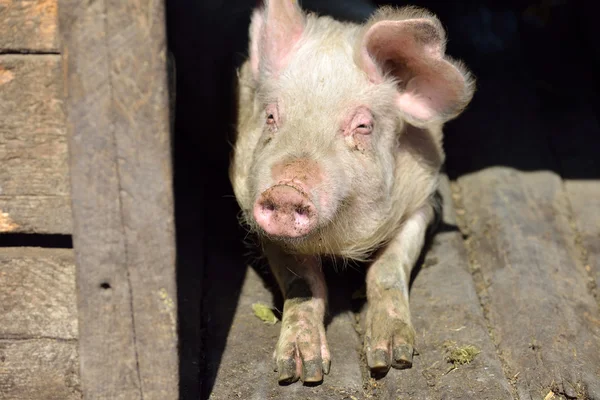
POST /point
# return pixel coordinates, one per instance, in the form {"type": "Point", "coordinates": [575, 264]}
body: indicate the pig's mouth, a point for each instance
{"type": "Point", "coordinates": [285, 211]}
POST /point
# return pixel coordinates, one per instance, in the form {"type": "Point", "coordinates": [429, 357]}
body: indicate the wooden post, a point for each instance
{"type": "Point", "coordinates": [114, 60]}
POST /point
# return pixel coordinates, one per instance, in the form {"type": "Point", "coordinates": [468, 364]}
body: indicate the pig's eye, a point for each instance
{"type": "Point", "coordinates": [360, 123]}
{"type": "Point", "coordinates": [364, 129]}
{"type": "Point", "coordinates": [271, 117]}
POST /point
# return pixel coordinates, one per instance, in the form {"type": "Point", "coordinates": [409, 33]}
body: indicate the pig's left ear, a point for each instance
{"type": "Point", "coordinates": [274, 31]}
{"type": "Point", "coordinates": [409, 46]}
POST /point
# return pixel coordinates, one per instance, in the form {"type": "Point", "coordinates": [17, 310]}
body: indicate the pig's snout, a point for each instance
{"type": "Point", "coordinates": [284, 211]}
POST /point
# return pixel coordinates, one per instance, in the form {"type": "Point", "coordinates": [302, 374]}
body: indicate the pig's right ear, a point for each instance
{"type": "Point", "coordinates": [274, 30]}
{"type": "Point", "coordinates": [408, 45]}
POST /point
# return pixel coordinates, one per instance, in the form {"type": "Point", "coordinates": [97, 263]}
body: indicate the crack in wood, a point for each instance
{"type": "Point", "coordinates": [28, 52]}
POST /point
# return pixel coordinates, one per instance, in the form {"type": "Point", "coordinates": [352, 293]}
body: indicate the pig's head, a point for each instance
{"type": "Point", "coordinates": [331, 100]}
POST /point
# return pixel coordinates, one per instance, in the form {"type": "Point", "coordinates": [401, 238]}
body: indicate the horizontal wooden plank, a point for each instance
{"type": "Point", "coordinates": [241, 351]}
{"type": "Point", "coordinates": [27, 26]}
{"type": "Point", "coordinates": [35, 214]}
{"type": "Point", "coordinates": [39, 369]}
{"type": "Point", "coordinates": [534, 287]}
{"type": "Point", "coordinates": [37, 298]}
{"type": "Point", "coordinates": [33, 146]}
{"type": "Point", "coordinates": [445, 308]}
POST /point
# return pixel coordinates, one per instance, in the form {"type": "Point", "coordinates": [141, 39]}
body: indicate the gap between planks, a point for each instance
{"type": "Point", "coordinates": [27, 52]}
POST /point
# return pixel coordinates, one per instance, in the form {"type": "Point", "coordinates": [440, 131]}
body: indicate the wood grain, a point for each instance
{"type": "Point", "coordinates": [533, 285]}
{"type": "Point", "coordinates": [35, 214]}
{"type": "Point", "coordinates": [39, 369]}
{"type": "Point", "coordinates": [34, 178]}
{"type": "Point", "coordinates": [117, 105]}
{"type": "Point", "coordinates": [37, 298]}
{"type": "Point", "coordinates": [28, 26]}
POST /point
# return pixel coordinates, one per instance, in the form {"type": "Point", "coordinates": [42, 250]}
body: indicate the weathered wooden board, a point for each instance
{"type": "Point", "coordinates": [245, 368]}
{"type": "Point", "coordinates": [533, 285]}
{"type": "Point", "coordinates": [37, 296]}
{"type": "Point", "coordinates": [575, 137]}
{"type": "Point", "coordinates": [35, 214]}
{"type": "Point", "coordinates": [34, 178]}
{"type": "Point", "coordinates": [445, 308]}
{"type": "Point", "coordinates": [28, 26]}
{"type": "Point", "coordinates": [117, 104]}
{"type": "Point", "coordinates": [39, 369]}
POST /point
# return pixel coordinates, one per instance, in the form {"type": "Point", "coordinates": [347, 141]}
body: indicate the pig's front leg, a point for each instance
{"type": "Point", "coordinates": [389, 334]}
{"type": "Point", "coordinates": [301, 351]}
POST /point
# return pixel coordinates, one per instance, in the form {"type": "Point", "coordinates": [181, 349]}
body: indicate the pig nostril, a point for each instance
{"type": "Point", "coordinates": [268, 206]}
{"type": "Point", "coordinates": [302, 210]}
{"type": "Point", "coordinates": [284, 211]}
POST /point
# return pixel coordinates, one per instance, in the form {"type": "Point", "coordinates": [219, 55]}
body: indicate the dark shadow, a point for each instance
{"type": "Point", "coordinates": [206, 39]}
{"type": "Point", "coordinates": [54, 241]}
{"type": "Point", "coordinates": [535, 109]}
{"type": "Point", "coordinates": [529, 112]}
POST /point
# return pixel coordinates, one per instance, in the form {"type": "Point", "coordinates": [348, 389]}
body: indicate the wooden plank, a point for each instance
{"type": "Point", "coordinates": [575, 135]}
{"type": "Point", "coordinates": [34, 178]}
{"type": "Point", "coordinates": [117, 105]}
{"type": "Point", "coordinates": [35, 214]}
{"type": "Point", "coordinates": [445, 308]}
{"type": "Point", "coordinates": [544, 319]}
{"type": "Point", "coordinates": [248, 350]}
{"type": "Point", "coordinates": [39, 369]}
{"type": "Point", "coordinates": [38, 293]}
{"type": "Point", "coordinates": [28, 26]}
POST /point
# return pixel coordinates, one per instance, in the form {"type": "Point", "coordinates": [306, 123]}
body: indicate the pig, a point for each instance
{"type": "Point", "coordinates": [338, 152]}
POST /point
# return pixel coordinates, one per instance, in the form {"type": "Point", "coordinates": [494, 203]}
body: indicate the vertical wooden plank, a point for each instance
{"type": "Point", "coordinates": [138, 53]}
{"type": "Point", "coordinates": [545, 321]}
{"type": "Point", "coordinates": [117, 107]}
{"type": "Point", "coordinates": [575, 135]}
{"type": "Point", "coordinates": [104, 295]}
{"type": "Point", "coordinates": [445, 309]}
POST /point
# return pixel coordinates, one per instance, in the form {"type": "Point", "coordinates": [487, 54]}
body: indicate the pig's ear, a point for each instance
{"type": "Point", "coordinates": [408, 45]}
{"type": "Point", "coordinates": [274, 30]}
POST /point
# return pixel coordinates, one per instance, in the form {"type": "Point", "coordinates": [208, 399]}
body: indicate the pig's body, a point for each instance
{"type": "Point", "coordinates": [338, 151]}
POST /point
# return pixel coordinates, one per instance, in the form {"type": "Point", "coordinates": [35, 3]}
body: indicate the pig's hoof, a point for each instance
{"type": "Point", "coordinates": [388, 342]}
{"type": "Point", "coordinates": [302, 353]}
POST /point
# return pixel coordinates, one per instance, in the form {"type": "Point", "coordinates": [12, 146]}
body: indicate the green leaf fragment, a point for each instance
{"type": "Point", "coordinates": [459, 355]}
{"type": "Point", "coordinates": [265, 313]}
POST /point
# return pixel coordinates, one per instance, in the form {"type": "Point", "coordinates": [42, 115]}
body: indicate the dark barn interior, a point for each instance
{"type": "Point", "coordinates": [536, 109]}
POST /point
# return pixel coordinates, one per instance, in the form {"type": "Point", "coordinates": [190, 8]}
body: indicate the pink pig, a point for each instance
{"type": "Point", "coordinates": [338, 152]}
